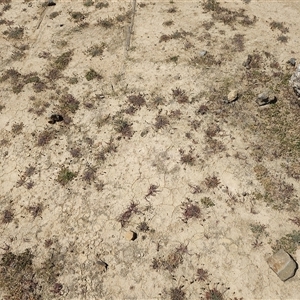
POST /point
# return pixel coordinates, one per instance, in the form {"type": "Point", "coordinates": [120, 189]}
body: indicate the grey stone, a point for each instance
{"type": "Point", "coordinates": [292, 61]}
{"type": "Point", "coordinates": [265, 98]}
{"type": "Point", "coordinates": [202, 52]}
{"type": "Point", "coordinates": [282, 264]}
{"type": "Point", "coordinates": [232, 96]}
{"type": "Point", "coordinates": [295, 81]}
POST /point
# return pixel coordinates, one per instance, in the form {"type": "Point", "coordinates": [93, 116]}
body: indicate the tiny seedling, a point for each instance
{"type": "Point", "coordinates": [62, 61]}
{"type": "Point", "coordinates": [153, 189]}
{"type": "Point", "coordinates": [168, 23]}
{"type": "Point", "coordinates": [89, 175]}
{"type": "Point", "coordinates": [207, 202]}
{"type": "Point", "coordinates": [180, 95]}
{"type": "Point", "coordinates": [77, 16]}
{"type": "Point", "coordinates": [65, 176]}
{"type": "Point", "coordinates": [106, 23]}
{"type": "Point", "coordinates": [143, 226]}
{"type": "Point", "coordinates": [17, 128]}
{"type": "Point", "coordinates": [69, 103]}
{"type": "Point", "coordinates": [96, 50]}
{"type": "Point", "coordinates": [75, 152]}
{"type": "Point", "coordinates": [101, 5]}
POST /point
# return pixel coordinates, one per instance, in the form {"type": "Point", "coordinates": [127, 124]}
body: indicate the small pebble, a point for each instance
{"type": "Point", "coordinates": [292, 61]}
{"type": "Point", "coordinates": [130, 235]}
{"type": "Point", "coordinates": [202, 53]}
{"type": "Point", "coordinates": [232, 96]}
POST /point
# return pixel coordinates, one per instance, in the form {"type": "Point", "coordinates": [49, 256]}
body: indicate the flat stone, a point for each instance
{"type": "Point", "coordinates": [282, 264]}
{"type": "Point", "coordinates": [232, 96]}
{"type": "Point", "coordinates": [130, 235]}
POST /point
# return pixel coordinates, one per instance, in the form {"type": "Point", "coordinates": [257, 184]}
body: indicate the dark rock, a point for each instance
{"type": "Point", "coordinates": [55, 118]}
{"type": "Point", "coordinates": [51, 3]}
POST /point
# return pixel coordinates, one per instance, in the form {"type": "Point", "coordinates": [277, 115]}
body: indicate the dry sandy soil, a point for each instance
{"type": "Point", "coordinates": [142, 139]}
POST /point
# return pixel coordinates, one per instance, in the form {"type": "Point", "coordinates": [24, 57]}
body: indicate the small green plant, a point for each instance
{"type": "Point", "coordinates": [258, 229]}
{"type": "Point", "coordinates": [207, 202]}
{"type": "Point", "coordinates": [168, 23]}
{"type": "Point", "coordinates": [123, 127]}
{"type": "Point", "coordinates": [54, 14]}
{"type": "Point", "coordinates": [137, 100]}
{"type": "Point", "coordinates": [161, 122]}
{"type": "Point", "coordinates": [106, 23]}
{"type": "Point", "coordinates": [15, 33]}
{"type": "Point", "coordinates": [177, 293]}
{"type": "Point", "coordinates": [65, 176]}
{"type": "Point", "coordinates": [17, 128]}
{"type": "Point", "coordinates": [92, 74]}
{"type": "Point", "coordinates": [77, 16]}
{"type": "Point", "coordinates": [290, 242]}
{"type": "Point", "coordinates": [88, 3]}
{"type": "Point", "coordinates": [101, 5]}
{"type": "Point", "coordinates": [7, 216]}
{"type": "Point", "coordinates": [279, 26]}
{"type": "Point", "coordinates": [187, 158]}
{"type": "Point", "coordinates": [62, 61]}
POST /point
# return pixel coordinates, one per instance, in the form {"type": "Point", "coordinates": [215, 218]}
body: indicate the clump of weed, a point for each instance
{"type": "Point", "coordinates": [278, 194]}
{"type": "Point", "coordinates": [62, 61]}
{"type": "Point", "coordinates": [127, 214]}
{"type": "Point", "coordinates": [123, 127]}
{"type": "Point", "coordinates": [75, 152]}
{"type": "Point", "coordinates": [96, 50]}
{"type": "Point", "coordinates": [207, 60]}
{"type": "Point", "coordinates": [77, 16]}
{"type": "Point", "coordinates": [172, 10]}
{"type": "Point", "coordinates": [7, 216]}
{"type": "Point", "coordinates": [168, 23]}
{"type": "Point", "coordinates": [282, 38]}
{"type": "Point", "coordinates": [45, 137]}
{"type": "Point", "coordinates": [17, 128]}
{"type": "Point", "coordinates": [89, 175]}
{"type": "Point", "coordinates": [88, 3]}
{"type": "Point", "coordinates": [296, 221]}
{"type": "Point", "coordinates": [187, 158]}
{"type": "Point", "coordinates": [69, 103]}
{"type": "Point", "coordinates": [257, 229]}
{"type": "Point", "coordinates": [15, 33]}
{"type": "Point", "coordinates": [289, 242]}
{"type": "Point", "coordinates": [161, 122]}
{"type": "Point", "coordinates": [109, 148]}
{"type": "Point", "coordinates": [137, 100]}
{"type": "Point", "coordinates": [36, 210]}
{"type": "Point", "coordinates": [65, 176]}
{"type": "Point", "coordinates": [143, 226]}
{"type": "Point", "coordinates": [202, 110]}
{"type": "Point", "coordinates": [279, 26]}
{"type": "Point", "coordinates": [212, 130]}
{"type": "Point", "coordinates": [207, 202]}
{"type": "Point", "coordinates": [212, 182]}
{"type": "Point", "coordinates": [92, 74]}
{"type": "Point", "coordinates": [238, 42]}
{"type": "Point", "coordinates": [54, 14]}
{"type": "Point", "coordinates": [153, 189]}
{"type": "Point", "coordinates": [180, 95]}
{"type": "Point", "coordinates": [201, 275]}
{"type": "Point", "coordinates": [106, 23]}
{"type": "Point", "coordinates": [17, 276]}
{"type": "Point", "coordinates": [177, 293]}
{"type": "Point", "coordinates": [101, 5]}
{"type": "Point", "coordinates": [190, 210]}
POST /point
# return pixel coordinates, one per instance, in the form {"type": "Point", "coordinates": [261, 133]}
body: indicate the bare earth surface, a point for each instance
{"type": "Point", "coordinates": [145, 140]}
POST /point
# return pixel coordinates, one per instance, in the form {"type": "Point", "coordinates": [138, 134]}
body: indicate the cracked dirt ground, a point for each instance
{"type": "Point", "coordinates": [147, 144]}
